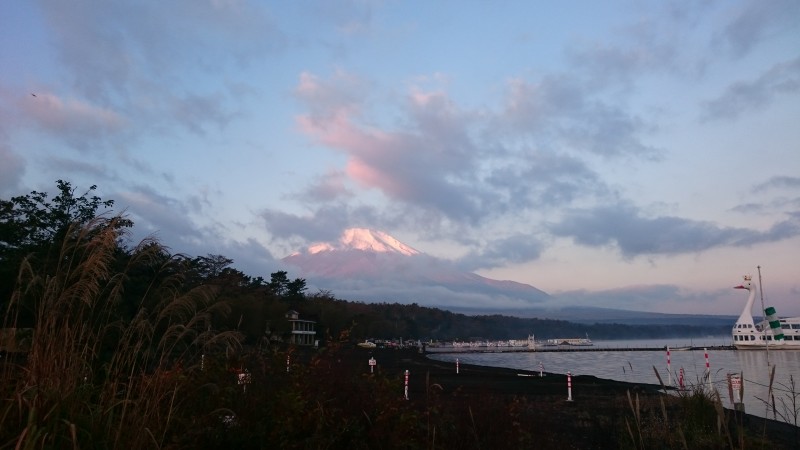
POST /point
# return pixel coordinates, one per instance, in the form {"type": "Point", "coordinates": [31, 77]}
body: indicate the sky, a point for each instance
{"type": "Point", "coordinates": [627, 154]}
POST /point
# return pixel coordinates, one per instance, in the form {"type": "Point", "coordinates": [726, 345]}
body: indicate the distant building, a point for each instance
{"type": "Point", "coordinates": [303, 332]}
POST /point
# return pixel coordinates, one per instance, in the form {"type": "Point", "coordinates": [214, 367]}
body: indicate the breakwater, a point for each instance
{"type": "Point", "coordinates": [565, 348]}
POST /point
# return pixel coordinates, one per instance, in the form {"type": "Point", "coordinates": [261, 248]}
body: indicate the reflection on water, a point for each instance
{"type": "Point", "coordinates": [640, 366]}
{"type": "Point", "coordinates": [756, 366]}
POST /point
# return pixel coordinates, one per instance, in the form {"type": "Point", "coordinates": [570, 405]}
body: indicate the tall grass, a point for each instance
{"type": "Point", "coordinates": [94, 377]}
{"type": "Point", "coordinates": [694, 418]}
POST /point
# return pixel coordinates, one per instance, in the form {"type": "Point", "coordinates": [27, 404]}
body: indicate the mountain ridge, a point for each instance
{"type": "Point", "coordinates": [371, 266]}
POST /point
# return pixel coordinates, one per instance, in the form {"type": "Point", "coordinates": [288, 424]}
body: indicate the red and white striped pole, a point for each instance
{"type": "Point", "coordinates": [456, 365]}
{"type": "Point", "coordinates": [406, 387]}
{"type": "Point", "coordinates": [669, 370]}
{"type": "Point", "coordinates": [680, 379]}
{"type": "Point", "coordinates": [569, 386]}
{"type": "Point", "coordinates": [708, 368]}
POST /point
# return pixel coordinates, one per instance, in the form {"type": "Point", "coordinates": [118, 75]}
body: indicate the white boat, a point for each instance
{"type": "Point", "coordinates": [578, 342]}
{"type": "Point", "coordinates": [367, 344]}
{"type": "Point", "coordinates": [772, 332]}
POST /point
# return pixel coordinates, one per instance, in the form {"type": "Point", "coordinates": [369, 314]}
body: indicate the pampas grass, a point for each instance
{"type": "Point", "coordinates": [93, 377]}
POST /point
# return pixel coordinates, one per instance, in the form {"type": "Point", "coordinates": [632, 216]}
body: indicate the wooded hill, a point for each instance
{"type": "Point", "coordinates": [393, 320]}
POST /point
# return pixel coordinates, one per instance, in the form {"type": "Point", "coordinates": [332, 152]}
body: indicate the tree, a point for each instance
{"type": "Point", "coordinates": [210, 266]}
{"type": "Point", "coordinates": [31, 222]}
{"type": "Point", "coordinates": [281, 286]}
{"type": "Point", "coordinates": [278, 282]}
{"type": "Point", "coordinates": [33, 225]}
{"type": "Point", "coordinates": [295, 289]}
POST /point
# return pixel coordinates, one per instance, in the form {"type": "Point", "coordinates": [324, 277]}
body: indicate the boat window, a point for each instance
{"type": "Point", "coordinates": [796, 326]}
{"type": "Point", "coordinates": [785, 326]}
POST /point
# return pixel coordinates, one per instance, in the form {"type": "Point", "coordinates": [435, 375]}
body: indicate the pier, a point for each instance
{"type": "Point", "coordinates": [566, 348]}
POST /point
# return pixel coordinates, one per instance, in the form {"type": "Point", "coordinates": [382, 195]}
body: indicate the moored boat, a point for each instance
{"type": "Point", "coordinates": [577, 342]}
{"type": "Point", "coordinates": [771, 332]}
{"type": "Point", "coordinates": [367, 344]}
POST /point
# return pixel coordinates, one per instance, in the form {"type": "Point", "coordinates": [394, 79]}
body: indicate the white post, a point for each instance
{"type": "Point", "coordinates": [456, 365]}
{"type": "Point", "coordinates": [736, 380]}
{"type": "Point", "coordinates": [569, 386]}
{"type": "Point", "coordinates": [406, 387]}
{"type": "Point", "coordinates": [541, 369]}
{"type": "Point", "coordinates": [669, 370]}
{"type": "Point", "coordinates": [288, 358]}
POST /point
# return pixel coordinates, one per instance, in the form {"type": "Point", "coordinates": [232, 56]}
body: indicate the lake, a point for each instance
{"type": "Point", "coordinates": [636, 366]}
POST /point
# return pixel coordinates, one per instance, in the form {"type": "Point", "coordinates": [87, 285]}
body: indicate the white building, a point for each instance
{"type": "Point", "coordinates": [303, 332]}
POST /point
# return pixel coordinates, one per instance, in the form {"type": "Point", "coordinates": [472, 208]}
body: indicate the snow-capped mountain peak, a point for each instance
{"type": "Point", "coordinates": [368, 265]}
{"type": "Point", "coordinates": [365, 239]}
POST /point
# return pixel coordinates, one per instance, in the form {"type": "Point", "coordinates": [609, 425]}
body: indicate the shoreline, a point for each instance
{"type": "Point", "coordinates": [574, 410]}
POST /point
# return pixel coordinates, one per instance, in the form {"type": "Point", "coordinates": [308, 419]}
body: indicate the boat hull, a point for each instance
{"type": "Point", "coordinates": [775, 345]}
{"type": "Point", "coordinates": [762, 337]}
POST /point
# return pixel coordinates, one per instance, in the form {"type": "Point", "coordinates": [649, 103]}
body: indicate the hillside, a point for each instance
{"type": "Point", "coordinates": [388, 321]}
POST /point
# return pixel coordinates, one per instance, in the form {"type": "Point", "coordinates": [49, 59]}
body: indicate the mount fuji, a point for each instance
{"type": "Point", "coordinates": [372, 266]}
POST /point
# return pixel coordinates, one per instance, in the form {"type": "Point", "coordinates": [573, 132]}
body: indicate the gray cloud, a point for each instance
{"type": "Point", "coordinates": [746, 96]}
{"type": "Point", "coordinates": [113, 48]}
{"type": "Point", "coordinates": [251, 257]}
{"type": "Point", "coordinates": [324, 224]}
{"type": "Point", "coordinates": [565, 114]}
{"type": "Point", "coordinates": [638, 298]}
{"type": "Point", "coordinates": [168, 217]}
{"type": "Point", "coordinates": [519, 248]}
{"type": "Point", "coordinates": [545, 179]}
{"type": "Point", "coordinates": [326, 188]}
{"type": "Point", "coordinates": [649, 45]}
{"type": "Point", "coordinates": [756, 21]}
{"type": "Point", "coordinates": [144, 65]}
{"type": "Point", "coordinates": [624, 227]}
{"type": "Point", "coordinates": [779, 182]}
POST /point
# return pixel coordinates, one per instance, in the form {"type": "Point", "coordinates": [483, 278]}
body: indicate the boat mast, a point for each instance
{"type": "Point", "coordinates": [763, 313]}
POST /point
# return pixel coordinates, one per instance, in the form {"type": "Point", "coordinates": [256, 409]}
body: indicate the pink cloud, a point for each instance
{"type": "Point", "coordinates": [431, 153]}
{"type": "Point", "coordinates": [57, 115]}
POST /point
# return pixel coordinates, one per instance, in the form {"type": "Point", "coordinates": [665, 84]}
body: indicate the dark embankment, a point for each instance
{"type": "Point", "coordinates": [483, 407]}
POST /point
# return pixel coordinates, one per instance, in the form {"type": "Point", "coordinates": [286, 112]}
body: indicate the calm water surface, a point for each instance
{"type": "Point", "coordinates": [637, 367]}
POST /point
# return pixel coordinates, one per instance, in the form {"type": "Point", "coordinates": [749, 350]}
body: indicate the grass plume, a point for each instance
{"type": "Point", "coordinates": [93, 377]}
